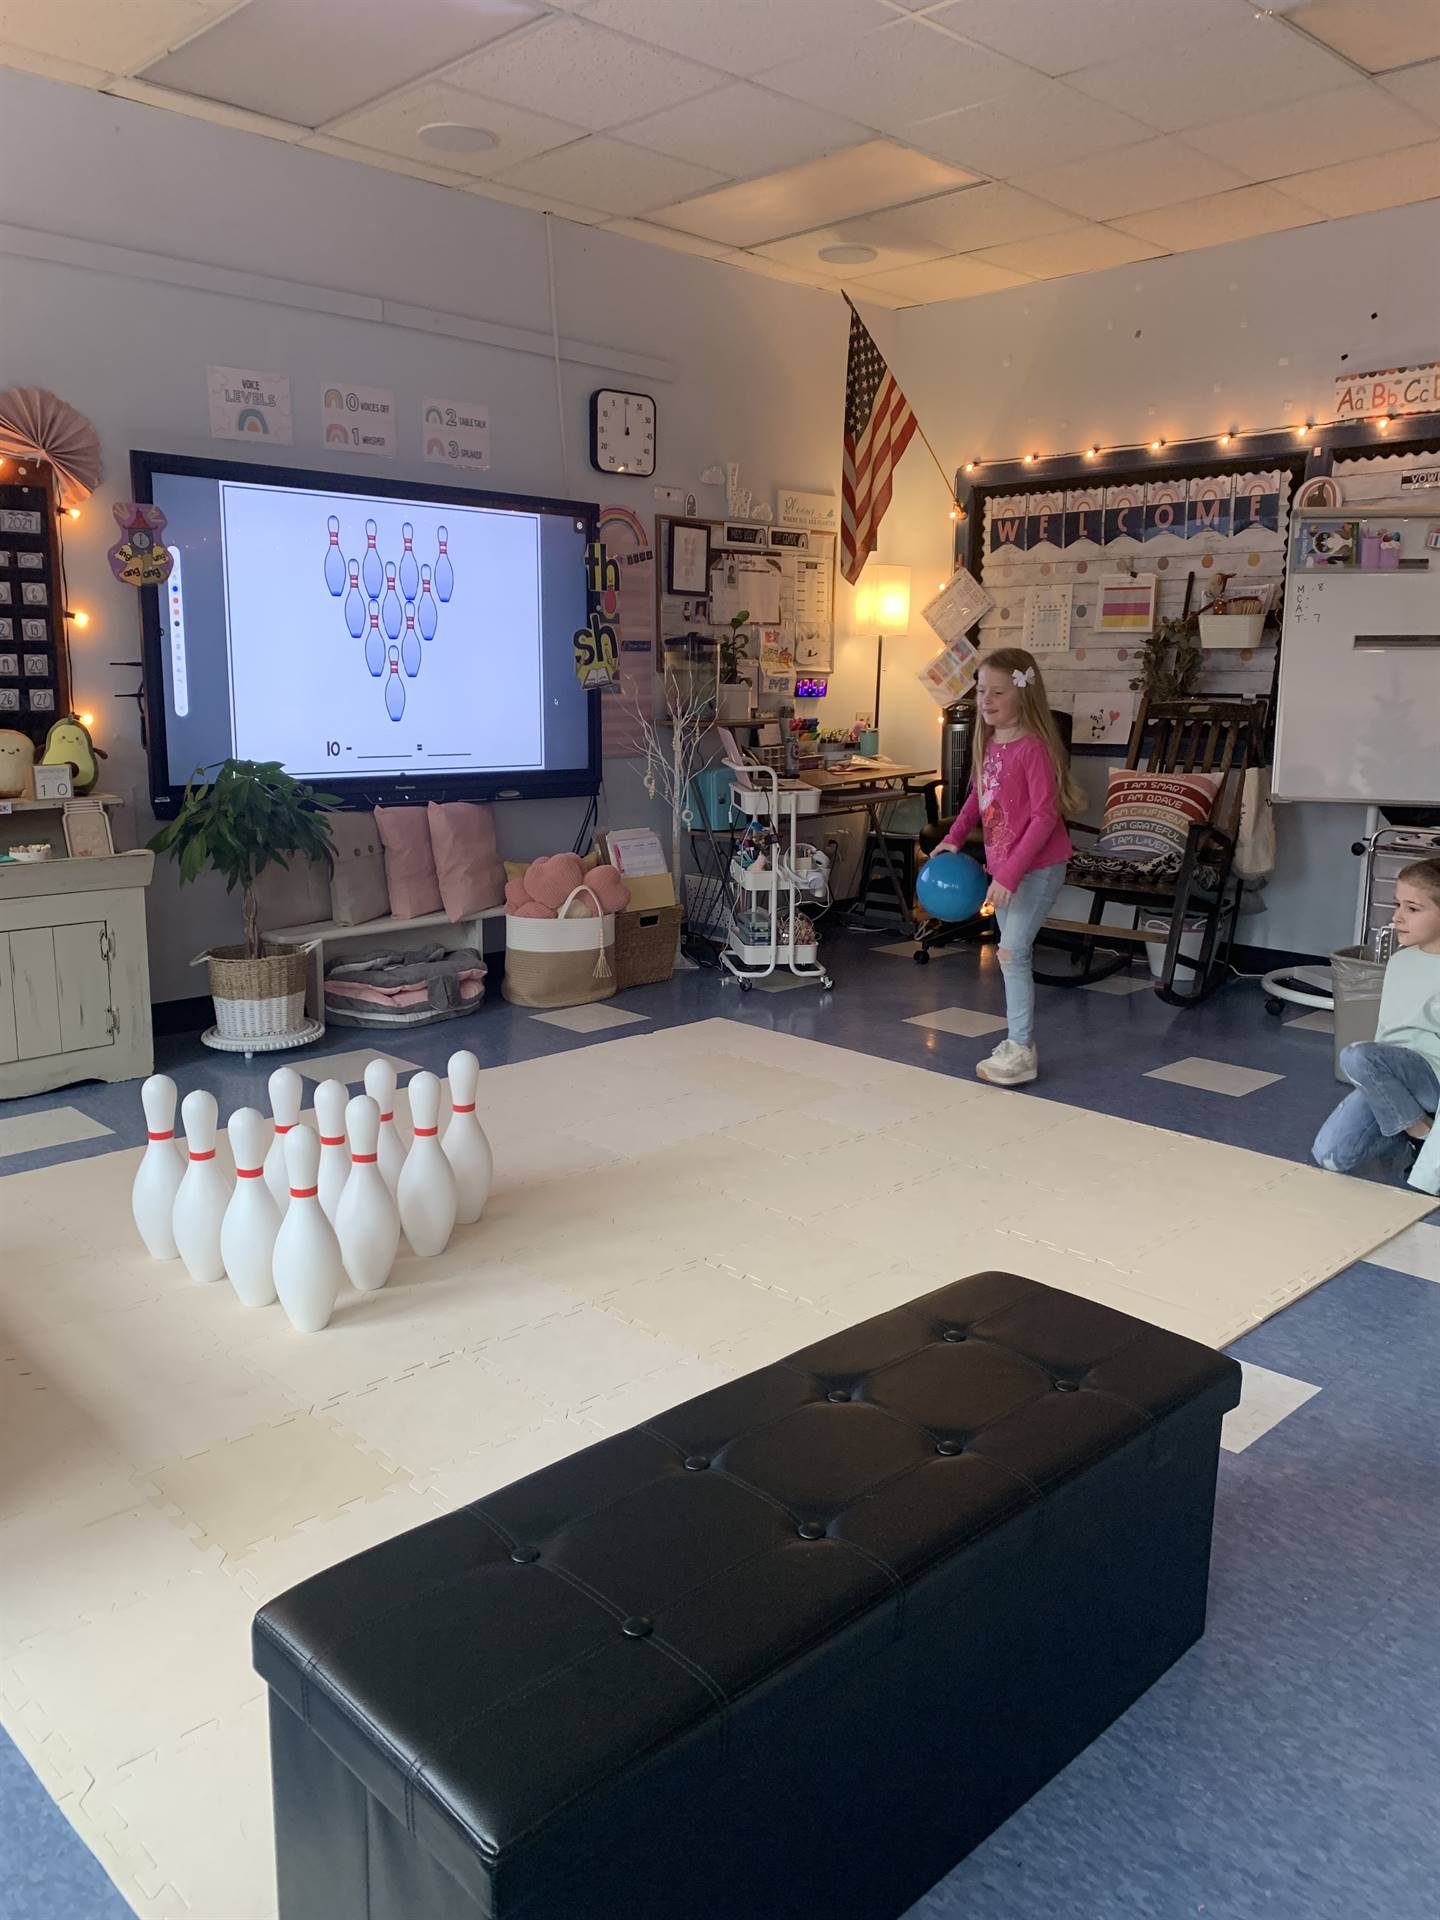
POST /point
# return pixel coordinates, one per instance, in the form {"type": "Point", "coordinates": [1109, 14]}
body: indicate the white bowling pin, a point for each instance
{"type": "Point", "coordinates": [286, 1091]}
{"type": "Point", "coordinates": [252, 1219]}
{"type": "Point", "coordinates": [307, 1255]}
{"type": "Point", "coordinates": [203, 1194]}
{"type": "Point", "coordinates": [427, 1194]}
{"type": "Point", "coordinates": [158, 1177]}
{"type": "Point", "coordinates": [367, 1223]}
{"type": "Point", "coordinates": [334, 1156]}
{"type": "Point", "coordinates": [465, 1145]}
{"type": "Point", "coordinates": [380, 1085]}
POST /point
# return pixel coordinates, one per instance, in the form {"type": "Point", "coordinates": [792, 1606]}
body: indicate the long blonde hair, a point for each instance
{"type": "Point", "coordinates": [1035, 717]}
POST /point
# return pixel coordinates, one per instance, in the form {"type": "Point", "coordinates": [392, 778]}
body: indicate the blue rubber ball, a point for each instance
{"type": "Point", "coordinates": [952, 886]}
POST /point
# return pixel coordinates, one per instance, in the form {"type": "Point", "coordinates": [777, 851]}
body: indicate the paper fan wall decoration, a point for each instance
{"type": "Point", "coordinates": [36, 424]}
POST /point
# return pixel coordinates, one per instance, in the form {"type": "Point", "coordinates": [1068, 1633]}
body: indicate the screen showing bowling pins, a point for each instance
{"type": "Point", "coordinates": [362, 636]}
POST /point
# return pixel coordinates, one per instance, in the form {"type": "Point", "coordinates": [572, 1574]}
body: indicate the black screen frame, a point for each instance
{"type": "Point", "coordinates": [521, 784]}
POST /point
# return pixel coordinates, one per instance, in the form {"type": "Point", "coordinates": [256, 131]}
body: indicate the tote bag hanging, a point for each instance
{"type": "Point", "coordinates": [562, 962]}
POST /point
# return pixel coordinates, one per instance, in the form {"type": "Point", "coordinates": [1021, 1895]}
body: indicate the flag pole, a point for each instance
{"type": "Point", "coordinates": [948, 482]}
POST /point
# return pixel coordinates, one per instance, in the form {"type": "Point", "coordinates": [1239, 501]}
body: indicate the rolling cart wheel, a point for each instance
{"type": "Point", "coordinates": [1274, 1007]}
{"type": "Point", "coordinates": [921, 956]}
{"type": "Point", "coordinates": [826, 982]}
{"type": "Point", "coordinates": [745, 986]}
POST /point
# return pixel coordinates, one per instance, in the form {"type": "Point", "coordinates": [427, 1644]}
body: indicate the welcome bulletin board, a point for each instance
{"type": "Point", "coordinates": [1080, 573]}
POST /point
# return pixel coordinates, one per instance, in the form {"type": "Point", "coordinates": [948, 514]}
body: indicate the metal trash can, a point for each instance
{"type": "Point", "coordinates": [1357, 981]}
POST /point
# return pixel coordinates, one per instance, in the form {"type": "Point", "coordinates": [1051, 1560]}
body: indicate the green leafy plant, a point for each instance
{"type": "Point", "coordinates": [252, 815]}
{"type": "Point", "coordinates": [1170, 660]}
{"type": "Point", "coordinates": [734, 649]}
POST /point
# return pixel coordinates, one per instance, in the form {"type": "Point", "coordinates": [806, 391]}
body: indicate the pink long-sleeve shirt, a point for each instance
{"type": "Point", "coordinates": [1018, 806]}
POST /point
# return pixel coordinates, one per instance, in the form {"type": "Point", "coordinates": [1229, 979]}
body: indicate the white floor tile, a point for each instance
{"type": "Point", "coordinates": [1266, 1399]}
{"type": "Point", "coordinates": [1318, 1022]}
{"type": "Point", "coordinates": [594, 1017]}
{"type": "Point", "coordinates": [783, 981]}
{"type": "Point", "coordinates": [1415, 1251]}
{"type": "Point", "coordinates": [350, 1066]}
{"type": "Point", "coordinates": [1121, 984]}
{"type": "Point", "coordinates": [55, 1127]}
{"type": "Point", "coordinates": [1215, 1076]}
{"type": "Point", "coordinates": [962, 1020]}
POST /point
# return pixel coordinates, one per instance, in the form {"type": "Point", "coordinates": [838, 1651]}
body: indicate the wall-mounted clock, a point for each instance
{"type": "Point", "coordinates": [622, 432]}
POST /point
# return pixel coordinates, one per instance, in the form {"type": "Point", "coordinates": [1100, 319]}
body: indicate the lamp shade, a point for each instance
{"type": "Point", "coordinates": [882, 600]}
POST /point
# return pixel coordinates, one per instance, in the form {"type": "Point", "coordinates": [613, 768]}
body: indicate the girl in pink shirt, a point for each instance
{"type": "Point", "coordinates": [1020, 793]}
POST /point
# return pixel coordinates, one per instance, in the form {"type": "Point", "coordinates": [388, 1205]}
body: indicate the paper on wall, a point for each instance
{"type": "Point", "coordinates": [1047, 619]}
{"type": "Point", "coordinates": [747, 583]}
{"type": "Point", "coordinates": [957, 606]}
{"type": "Point", "coordinates": [951, 674]}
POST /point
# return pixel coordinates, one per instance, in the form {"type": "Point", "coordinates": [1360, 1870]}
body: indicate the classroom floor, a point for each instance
{"type": "Point", "coordinates": [1287, 1766]}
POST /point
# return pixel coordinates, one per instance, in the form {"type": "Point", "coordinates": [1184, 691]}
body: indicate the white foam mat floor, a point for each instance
{"type": "Point", "coordinates": [670, 1210]}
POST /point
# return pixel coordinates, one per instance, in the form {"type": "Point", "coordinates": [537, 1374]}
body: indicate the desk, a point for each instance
{"type": "Point", "coordinates": [870, 787]}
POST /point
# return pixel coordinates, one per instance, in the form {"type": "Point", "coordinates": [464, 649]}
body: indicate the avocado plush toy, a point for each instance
{"type": "Point", "coordinates": [68, 743]}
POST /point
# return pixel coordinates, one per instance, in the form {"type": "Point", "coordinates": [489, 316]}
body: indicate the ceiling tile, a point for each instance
{"type": "Point", "coordinates": [853, 182]}
{"type": "Point", "coordinates": [1321, 131]}
{"type": "Point", "coordinates": [1364, 186]}
{"type": "Point", "coordinates": [1418, 87]}
{"type": "Point", "coordinates": [1044, 125]}
{"type": "Point", "coordinates": [389, 162]}
{"type": "Point", "coordinates": [50, 66]}
{"type": "Point", "coordinates": [1058, 35]}
{"type": "Point", "coordinates": [119, 36]}
{"type": "Point", "coordinates": [892, 78]}
{"type": "Point", "coordinates": [1375, 34]}
{"type": "Point", "coordinates": [1258, 64]}
{"type": "Point", "coordinates": [394, 127]}
{"type": "Point", "coordinates": [742, 130]}
{"type": "Point", "coordinates": [540, 203]}
{"type": "Point", "coordinates": [605, 172]}
{"type": "Point", "coordinates": [742, 36]}
{"type": "Point", "coordinates": [1217, 218]}
{"type": "Point", "coordinates": [583, 73]}
{"type": "Point", "coordinates": [802, 250]}
{"type": "Point", "coordinates": [776, 270]}
{"type": "Point", "coordinates": [985, 216]}
{"type": "Point", "coordinates": [1081, 250]}
{"type": "Point", "coordinates": [961, 278]}
{"type": "Point", "coordinates": [292, 60]}
{"type": "Point", "coordinates": [217, 112]}
{"type": "Point", "coordinates": [667, 237]}
{"type": "Point", "coordinates": [1131, 179]}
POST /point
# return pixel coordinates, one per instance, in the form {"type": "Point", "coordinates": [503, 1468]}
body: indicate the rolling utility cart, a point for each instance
{"type": "Point", "coordinates": [771, 896]}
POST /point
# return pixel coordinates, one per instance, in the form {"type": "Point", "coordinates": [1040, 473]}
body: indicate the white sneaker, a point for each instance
{"type": "Point", "coordinates": [1010, 1065]}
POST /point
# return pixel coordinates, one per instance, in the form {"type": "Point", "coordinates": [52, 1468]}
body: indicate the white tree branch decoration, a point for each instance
{"type": "Point", "coordinates": [671, 764]}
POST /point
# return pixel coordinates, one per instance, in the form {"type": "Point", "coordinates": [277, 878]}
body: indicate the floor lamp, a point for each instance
{"type": "Point", "coordinates": [882, 605]}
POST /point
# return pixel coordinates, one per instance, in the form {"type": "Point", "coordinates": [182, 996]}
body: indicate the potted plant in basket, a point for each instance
{"type": "Point", "coordinates": [250, 816]}
{"type": "Point", "coordinates": [733, 701]}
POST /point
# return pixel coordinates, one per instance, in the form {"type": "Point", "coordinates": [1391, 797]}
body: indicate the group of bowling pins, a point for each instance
{"type": "Point", "coordinates": [414, 606]}
{"type": "Point", "coordinates": [310, 1207]}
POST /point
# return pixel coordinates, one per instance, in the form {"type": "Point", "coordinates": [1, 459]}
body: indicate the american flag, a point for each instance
{"type": "Point", "coordinates": [878, 426]}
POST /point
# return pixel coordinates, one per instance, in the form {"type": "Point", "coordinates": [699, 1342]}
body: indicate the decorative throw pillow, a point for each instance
{"type": "Point", "coordinates": [517, 869]}
{"type": "Point", "coordinates": [357, 886]}
{"type": "Point", "coordinates": [409, 862]}
{"type": "Point", "coordinates": [468, 866]}
{"type": "Point", "coordinates": [296, 895]}
{"type": "Point", "coordinates": [1149, 815]}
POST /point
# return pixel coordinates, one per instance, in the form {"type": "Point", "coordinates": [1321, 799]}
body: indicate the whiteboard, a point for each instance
{"type": "Point", "coordinates": [1359, 699]}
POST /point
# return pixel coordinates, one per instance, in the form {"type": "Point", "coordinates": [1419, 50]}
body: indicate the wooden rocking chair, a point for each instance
{"type": "Point", "coordinates": [1223, 737]}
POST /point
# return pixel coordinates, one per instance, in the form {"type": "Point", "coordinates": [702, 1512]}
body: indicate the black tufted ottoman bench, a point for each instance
{"type": "Point", "coordinates": [785, 1653]}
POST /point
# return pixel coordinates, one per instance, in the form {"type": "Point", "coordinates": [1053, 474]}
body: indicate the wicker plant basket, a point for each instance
{"type": "Point", "coordinates": [645, 943]}
{"type": "Point", "coordinates": [256, 999]}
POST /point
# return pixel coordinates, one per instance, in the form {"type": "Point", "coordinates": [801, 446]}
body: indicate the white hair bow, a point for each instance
{"type": "Point", "coordinates": [1025, 678]}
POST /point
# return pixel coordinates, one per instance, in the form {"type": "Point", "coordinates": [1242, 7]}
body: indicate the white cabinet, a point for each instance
{"type": "Point", "coordinates": [74, 973]}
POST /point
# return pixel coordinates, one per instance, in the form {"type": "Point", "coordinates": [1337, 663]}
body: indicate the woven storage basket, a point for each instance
{"type": "Point", "coordinates": [257, 998]}
{"type": "Point", "coordinates": [645, 943]}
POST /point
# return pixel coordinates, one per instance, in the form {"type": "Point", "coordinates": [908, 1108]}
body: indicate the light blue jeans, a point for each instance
{"type": "Point", "coordinates": [1029, 908]}
{"type": "Point", "coordinates": [1393, 1089]}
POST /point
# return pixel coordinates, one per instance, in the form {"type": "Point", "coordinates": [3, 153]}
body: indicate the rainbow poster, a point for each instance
{"type": "Point", "coordinates": [249, 406]}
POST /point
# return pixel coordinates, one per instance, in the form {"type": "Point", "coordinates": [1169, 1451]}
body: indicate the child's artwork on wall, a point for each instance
{"type": "Point", "coordinates": [1047, 620]}
{"type": "Point", "coordinates": [1102, 720]}
{"type": "Point", "coordinates": [1125, 603]}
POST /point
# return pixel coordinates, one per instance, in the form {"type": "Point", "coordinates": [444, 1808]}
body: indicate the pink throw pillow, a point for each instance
{"type": "Point", "coordinates": [532, 910]}
{"type": "Point", "coordinates": [468, 866]}
{"type": "Point", "coordinates": [409, 863]}
{"type": "Point", "coordinates": [552, 879]}
{"type": "Point", "coordinates": [516, 896]}
{"type": "Point", "coordinates": [610, 889]}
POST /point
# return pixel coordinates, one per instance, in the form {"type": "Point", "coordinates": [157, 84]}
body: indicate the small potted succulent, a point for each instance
{"type": "Point", "coordinates": [250, 816]}
{"type": "Point", "coordinates": [736, 686]}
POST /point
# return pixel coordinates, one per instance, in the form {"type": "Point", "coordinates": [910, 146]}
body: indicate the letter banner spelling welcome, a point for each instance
{"type": "Point", "coordinates": [1125, 518]}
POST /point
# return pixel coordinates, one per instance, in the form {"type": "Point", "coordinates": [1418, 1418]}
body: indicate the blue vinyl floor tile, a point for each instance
{"type": "Point", "coordinates": [1288, 1768]}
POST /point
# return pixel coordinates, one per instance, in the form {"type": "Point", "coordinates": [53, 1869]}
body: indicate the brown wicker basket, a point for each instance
{"type": "Point", "coordinates": [255, 999]}
{"type": "Point", "coordinates": [645, 943]}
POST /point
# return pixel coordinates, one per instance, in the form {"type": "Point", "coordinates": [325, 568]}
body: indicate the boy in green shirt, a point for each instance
{"type": "Point", "coordinates": [1397, 1076]}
